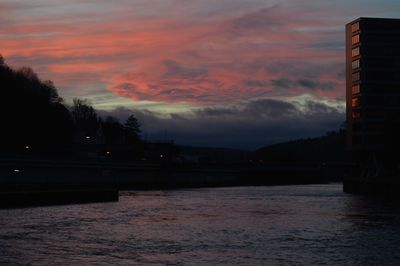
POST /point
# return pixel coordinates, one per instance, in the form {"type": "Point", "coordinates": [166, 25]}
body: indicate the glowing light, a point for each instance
{"type": "Point", "coordinates": [161, 156]}
{"type": "Point", "coordinates": [108, 152]}
{"type": "Point", "coordinates": [27, 147]}
{"type": "Point", "coordinates": [87, 137]}
{"type": "Point", "coordinates": [16, 170]}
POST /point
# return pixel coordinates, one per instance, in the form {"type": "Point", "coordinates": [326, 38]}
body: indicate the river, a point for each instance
{"type": "Point", "coordinates": [281, 225]}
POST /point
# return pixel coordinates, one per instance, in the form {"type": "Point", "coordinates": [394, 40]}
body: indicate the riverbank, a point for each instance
{"type": "Point", "coordinates": [383, 187]}
{"type": "Point", "coordinates": [59, 182]}
{"type": "Point", "coordinates": [29, 198]}
{"type": "Point", "coordinates": [52, 174]}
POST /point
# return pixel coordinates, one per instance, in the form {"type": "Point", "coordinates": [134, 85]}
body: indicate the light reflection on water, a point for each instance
{"type": "Point", "coordinates": [313, 224]}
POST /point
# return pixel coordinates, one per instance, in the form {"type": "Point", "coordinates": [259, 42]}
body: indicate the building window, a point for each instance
{"type": "Point", "coordinates": [355, 64]}
{"type": "Point", "coordinates": [355, 52]}
{"type": "Point", "coordinates": [356, 102]}
{"type": "Point", "coordinates": [355, 76]}
{"type": "Point", "coordinates": [355, 39]}
{"type": "Point", "coordinates": [355, 27]}
{"type": "Point", "coordinates": [356, 114]}
{"type": "Point", "coordinates": [355, 89]}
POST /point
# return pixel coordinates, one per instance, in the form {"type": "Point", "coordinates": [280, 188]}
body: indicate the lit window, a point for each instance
{"type": "Point", "coordinates": [355, 27]}
{"type": "Point", "coordinates": [355, 64]}
{"type": "Point", "coordinates": [355, 102]}
{"type": "Point", "coordinates": [355, 76]}
{"type": "Point", "coordinates": [356, 114]}
{"type": "Point", "coordinates": [355, 89]}
{"type": "Point", "coordinates": [355, 52]}
{"type": "Point", "coordinates": [355, 39]}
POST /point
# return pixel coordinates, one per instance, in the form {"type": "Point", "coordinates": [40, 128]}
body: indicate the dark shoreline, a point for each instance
{"type": "Point", "coordinates": [49, 182]}
{"type": "Point", "coordinates": [32, 198]}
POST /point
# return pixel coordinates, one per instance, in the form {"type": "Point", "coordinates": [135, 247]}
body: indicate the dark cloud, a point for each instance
{"type": "Point", "coordinates": [266, 109]}
{"type": "Point", "coordinates": [269, 109]}
{"type": "Point", "coordinates": [307, 69]}
{"type": "Point", "coordinates": [315, 108]}
{"type": "Point", "coordinates": [248, 125]}
{"type": "Point", "coordinates": [312, 84]}
{"type": "Point", "coordinates": [282, 83]}
{"type": "Point", "coordinates": [182, 93]}
{"type": "Point", "coordinates": [216, 112]}
{"type": "Point", "coordinates": [285, 83]}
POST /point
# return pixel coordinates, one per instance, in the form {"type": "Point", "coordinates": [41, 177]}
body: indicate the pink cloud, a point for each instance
{"type": "Point", "coordinates": [177, 59]}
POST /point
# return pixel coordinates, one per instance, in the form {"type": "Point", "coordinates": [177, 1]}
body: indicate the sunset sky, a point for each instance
{"type": "Point", "coordinates": [230, 73]}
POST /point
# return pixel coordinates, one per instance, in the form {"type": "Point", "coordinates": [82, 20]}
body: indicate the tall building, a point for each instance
{"type": "Point", "coordinates": [372, 83]}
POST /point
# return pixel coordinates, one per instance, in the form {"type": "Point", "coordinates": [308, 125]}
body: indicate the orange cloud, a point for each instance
{"type": "Point", "coordinates": [152, 56]}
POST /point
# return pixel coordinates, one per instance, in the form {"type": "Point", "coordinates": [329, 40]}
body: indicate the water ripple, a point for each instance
{"type": "Point", "coordinates": [299, 225]}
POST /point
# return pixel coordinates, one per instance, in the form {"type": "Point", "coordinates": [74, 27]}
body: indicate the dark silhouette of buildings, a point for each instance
{"type": "Point", "coordinates": [373, 96]}
{"type": "Point", "coordinates": [372, 82]}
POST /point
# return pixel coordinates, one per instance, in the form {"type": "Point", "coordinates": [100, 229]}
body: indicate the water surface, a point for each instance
{"type": "Point", "coordinates": [306, 225]}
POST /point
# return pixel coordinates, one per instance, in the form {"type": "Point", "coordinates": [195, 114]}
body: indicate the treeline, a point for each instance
{"type": "Point", "coordinates": [329, 148]}
{"type": "Point", "coordinates": [36, 120]}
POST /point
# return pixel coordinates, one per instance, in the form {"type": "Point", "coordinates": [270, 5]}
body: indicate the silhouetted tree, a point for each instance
{"type": "Point", "coordinates": [133, 127]}
{"type": "Point", "coordinates": [113, 131]}
{"type": "Point", "coordinates": [31, 112]}
{"type": "Point", "coordinates": [28, 73]}
{"type": "Point", "coordinates": [85, 118]}
{"type": "Point", "coordinates": [34, 117]}
{"type": "Point", "coordinates": [121, 141]}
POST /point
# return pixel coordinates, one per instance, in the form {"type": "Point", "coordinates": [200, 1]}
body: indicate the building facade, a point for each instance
{"type": "Point", "coordinates": [372, 83]}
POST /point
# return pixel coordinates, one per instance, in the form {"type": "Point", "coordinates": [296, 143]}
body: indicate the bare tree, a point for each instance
{"type": "Point", "coordinates": [85, 116]}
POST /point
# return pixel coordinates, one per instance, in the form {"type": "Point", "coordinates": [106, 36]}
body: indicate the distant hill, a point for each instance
{"type": "Point", "coordinates": [329, 148]}
{"type": "Point", "coordinates": [212, 154]}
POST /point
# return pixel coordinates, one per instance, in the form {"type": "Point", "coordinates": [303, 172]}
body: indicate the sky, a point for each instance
{"type": "Point", "coordinates": [227, 73]}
